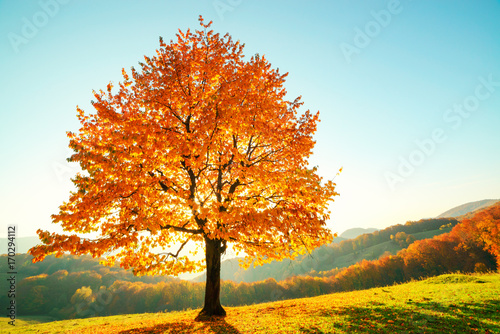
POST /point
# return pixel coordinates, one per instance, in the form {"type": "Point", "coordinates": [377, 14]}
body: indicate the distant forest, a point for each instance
{"type": "Point", "coordinates": [76, 287]}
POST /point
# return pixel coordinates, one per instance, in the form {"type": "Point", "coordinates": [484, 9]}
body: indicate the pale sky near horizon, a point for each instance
{"type": "Point", "coordinates": [408, 93]}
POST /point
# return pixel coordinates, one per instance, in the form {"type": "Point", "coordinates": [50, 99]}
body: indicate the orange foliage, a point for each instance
{"type": "Point", "coordinates": [484, 227]}
{"type": "Point", "coordinates": [199, 144]}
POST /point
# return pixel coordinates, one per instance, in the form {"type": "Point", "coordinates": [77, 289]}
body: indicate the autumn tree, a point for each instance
{"type": "Point", "coordinates": [198, 145]}
{"type": "Point", "coordinates": [483, 229]}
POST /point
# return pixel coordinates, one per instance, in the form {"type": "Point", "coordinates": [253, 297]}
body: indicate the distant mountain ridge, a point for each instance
{"type": "Point", "coordinates": [467, 208]}
{"type": "Point", "coordinates": [357, 231]}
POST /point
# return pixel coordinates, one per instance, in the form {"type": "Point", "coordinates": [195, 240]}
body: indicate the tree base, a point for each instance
{"type": "Point", "coordinates": [207, 315]}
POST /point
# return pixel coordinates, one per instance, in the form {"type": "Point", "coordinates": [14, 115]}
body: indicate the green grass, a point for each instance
{"type": "Point", "coordinates": [453, 303]}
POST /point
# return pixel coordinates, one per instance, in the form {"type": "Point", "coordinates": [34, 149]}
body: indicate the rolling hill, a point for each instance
{"type": "Point", "coordinates": [355, 232]}
{"type": "Point", "coordinates": [309, 264]}
{"type": "Point", "coordinates": [339, 254]}
{"type": "Point", "coordinates": [467, 208]}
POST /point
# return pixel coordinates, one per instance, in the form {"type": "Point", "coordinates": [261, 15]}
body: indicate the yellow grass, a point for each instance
{"type": "Point", "coordinates": [444, 304]}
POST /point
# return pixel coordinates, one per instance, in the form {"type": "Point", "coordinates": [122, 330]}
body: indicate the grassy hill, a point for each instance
{"type": "Point", "coordinates": [376, 251]}
{"type": "Point", "coordinates": [320, 262]}
{"type": "Point", "coordinates": [452, 303]}
{"type": "Point", "coordinates": [339, 254]}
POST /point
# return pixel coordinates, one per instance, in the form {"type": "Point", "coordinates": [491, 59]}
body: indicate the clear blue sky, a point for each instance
{"type": "Point", "coordinates": [383, 74]}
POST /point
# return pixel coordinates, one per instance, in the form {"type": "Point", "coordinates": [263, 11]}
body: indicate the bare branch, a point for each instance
{"type": "Point", "coordinates": [176, 255]}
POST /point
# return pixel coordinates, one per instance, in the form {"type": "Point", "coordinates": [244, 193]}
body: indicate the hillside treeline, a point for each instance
{"type": "Point", "coordinates": [472, 245]}
{"type": "Point", "coordinates": [344, 253]}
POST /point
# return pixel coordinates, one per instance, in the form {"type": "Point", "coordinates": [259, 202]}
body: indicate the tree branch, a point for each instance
{"type": "Point", "coordinates": [176, 255]}
{"type": "Point", "coordinates": [179, 229]}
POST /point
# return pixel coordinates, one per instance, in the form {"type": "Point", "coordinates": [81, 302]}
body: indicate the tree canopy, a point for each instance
{"type": "Point", "coordinates": [198, 145]}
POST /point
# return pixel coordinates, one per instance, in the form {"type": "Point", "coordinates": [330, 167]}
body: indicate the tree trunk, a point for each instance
{"type": "Point", "coordinates": [212, 306]}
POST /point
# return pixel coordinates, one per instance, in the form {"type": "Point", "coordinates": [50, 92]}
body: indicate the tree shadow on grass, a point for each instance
{"type": "Point", "coordinates": [312, 330]}
{"type": "Point", "coordinates": [215, 325]}
{"type": "Point", "coordinates": [418, 317]}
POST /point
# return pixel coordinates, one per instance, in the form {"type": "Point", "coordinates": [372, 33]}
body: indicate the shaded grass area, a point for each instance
{"type": "Point", "coordinates": [25, 321]}
{"type": "Point", "coordinates": [445, 304]}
